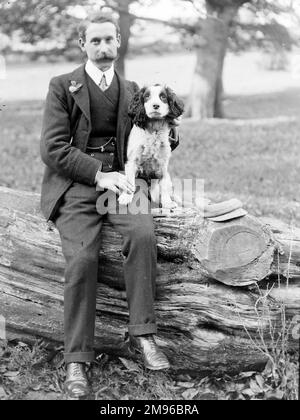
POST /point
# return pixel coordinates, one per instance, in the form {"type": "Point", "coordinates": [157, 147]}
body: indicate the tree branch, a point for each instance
{"type": "Point", "coordinates": [227, 3]}
{"type": "Point", "coordinates": [273, 31]}
{"type": "Point", "coordinates": [177, 25]}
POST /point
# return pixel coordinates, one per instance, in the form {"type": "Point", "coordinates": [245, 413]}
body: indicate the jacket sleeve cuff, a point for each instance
{"type": "Point", "coordinates": [99, 170]}
{"type": "Point", "coordinates": [86, 169]}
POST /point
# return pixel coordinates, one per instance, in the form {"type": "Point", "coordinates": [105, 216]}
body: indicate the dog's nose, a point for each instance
{"type": "Point", "coordinates": [155, 106]}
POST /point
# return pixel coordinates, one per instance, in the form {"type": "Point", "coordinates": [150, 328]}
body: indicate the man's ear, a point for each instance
{"type": "Point", "coordinates": [119, 40]}
{"type": "Point", "coordinates": [81, 44]}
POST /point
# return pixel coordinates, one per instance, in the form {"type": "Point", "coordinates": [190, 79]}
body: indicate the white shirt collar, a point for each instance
{"type": "Point", "coordinates": [96, 74]}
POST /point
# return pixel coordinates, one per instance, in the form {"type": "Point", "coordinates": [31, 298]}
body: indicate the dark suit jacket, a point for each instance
{"type": "Point", "coordinates": [65, 134]}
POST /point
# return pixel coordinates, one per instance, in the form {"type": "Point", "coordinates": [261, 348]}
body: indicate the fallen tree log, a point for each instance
{"type": "Point", "coordinates": [204, 322]}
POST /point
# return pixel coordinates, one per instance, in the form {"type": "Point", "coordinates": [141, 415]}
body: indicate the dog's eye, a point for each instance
{"type": "Point", "coordinates": [163, 97]}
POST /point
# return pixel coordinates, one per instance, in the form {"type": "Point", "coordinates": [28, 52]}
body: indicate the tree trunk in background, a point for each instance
{"type": "Point", "coordinates": [207, 86]}
{"type": "Point", "coordinates": [125, 22]}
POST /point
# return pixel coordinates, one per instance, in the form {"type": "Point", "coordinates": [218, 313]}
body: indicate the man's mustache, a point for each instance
{"type": "Point", "coordinates": [106, 57]}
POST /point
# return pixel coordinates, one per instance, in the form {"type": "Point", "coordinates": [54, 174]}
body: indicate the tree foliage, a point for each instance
{"type": "Point", "coordinates": [262, 29]}
{"type": "Point", "coordinates": [34, 20]}
{"type": "Point", "coordinates": [43, 20]}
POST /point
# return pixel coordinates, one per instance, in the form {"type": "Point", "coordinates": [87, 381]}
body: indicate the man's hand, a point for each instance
{"type": "Point", "coordinates": [177, 121]}
{"type": "Point", "coordinates": [114, 181]}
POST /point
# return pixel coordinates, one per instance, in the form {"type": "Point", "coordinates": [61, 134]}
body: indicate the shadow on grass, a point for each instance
{"type": "Point", "coordinates": [270, 105]}
{"type": "Point", "coordinates": [266, 105]}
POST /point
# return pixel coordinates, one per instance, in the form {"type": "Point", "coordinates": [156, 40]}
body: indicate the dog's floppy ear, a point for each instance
{"type": "Point", "coordinates": [176, 105]}
{"type": "Point", "coordinates": [137, 110]}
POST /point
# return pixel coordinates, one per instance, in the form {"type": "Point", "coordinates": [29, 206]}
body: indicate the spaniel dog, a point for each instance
{"type": "Point", "coordinates": [154, 110]}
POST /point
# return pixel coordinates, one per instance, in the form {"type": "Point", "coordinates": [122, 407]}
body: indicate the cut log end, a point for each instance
{"type": "Point", "coordinates": [237, 252]}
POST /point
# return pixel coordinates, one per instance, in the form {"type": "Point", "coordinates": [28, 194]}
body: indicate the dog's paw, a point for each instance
{"type": "Point", "coordinates": [125, 199]}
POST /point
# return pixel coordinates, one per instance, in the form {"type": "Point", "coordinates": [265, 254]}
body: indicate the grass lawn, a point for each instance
{"type": "Point", "coordinates": [252, 155]}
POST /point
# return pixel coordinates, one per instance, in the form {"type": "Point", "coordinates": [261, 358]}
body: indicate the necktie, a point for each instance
{"type": "Point", "coordinates": [103, 85]}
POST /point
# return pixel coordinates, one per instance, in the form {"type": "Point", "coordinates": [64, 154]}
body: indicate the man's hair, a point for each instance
{"type": "Point", "coordinates": [99, 17]}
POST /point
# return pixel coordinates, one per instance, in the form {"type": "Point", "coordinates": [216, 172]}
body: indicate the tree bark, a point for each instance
{"type": "Point", "coordinates": [205, 100]}
{"type": "Point", "coordinates": [125, 22]}
{"type": "Point", "coordinates": [203, 323]}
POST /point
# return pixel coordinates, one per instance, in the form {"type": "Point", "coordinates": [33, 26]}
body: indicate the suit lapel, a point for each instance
{"type": "Point", "coordinates": [122, 118]}
{"type": "Point", "coordinates": [81, 96]}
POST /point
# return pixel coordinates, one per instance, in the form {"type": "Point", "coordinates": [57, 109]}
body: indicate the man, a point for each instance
{"type": "Point", "coordinates": [83, 145]}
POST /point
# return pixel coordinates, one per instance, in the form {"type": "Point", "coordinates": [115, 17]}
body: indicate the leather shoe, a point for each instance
{"type": "Point", "coordinates": [146, 346]}
{"type": "Point", "coordinates": [76, 385]}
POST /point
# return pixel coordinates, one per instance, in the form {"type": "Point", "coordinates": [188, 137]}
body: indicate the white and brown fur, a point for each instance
{"type": "Point", "coordinates": [153, 111]}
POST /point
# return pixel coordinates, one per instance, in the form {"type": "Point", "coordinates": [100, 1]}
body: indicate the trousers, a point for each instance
{"type": "Point", "coordinates": [79, 225]}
